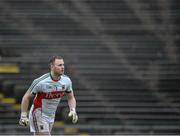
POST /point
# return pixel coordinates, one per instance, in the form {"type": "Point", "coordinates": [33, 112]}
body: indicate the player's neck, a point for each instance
{"type": "Point", "coordinates": [54, 76]}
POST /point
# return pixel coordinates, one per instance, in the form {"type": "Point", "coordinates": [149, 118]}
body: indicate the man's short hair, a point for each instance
{"type": "Point", "coordinates": [52, 60]}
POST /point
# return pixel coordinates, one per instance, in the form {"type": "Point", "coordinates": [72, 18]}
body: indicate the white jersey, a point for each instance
{"type": "Point", "coordinates": [48, 94]}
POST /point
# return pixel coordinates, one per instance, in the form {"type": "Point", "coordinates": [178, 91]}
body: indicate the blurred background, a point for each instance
{"type": "Point", "coordinates": [122, 56]}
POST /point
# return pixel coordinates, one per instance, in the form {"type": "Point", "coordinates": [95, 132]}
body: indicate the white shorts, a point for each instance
{"type": "Point", "coordinates": [38, 123]}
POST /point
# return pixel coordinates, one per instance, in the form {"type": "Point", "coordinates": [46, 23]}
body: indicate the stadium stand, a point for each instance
{"type": "Point", "coordinates": [122, 56]}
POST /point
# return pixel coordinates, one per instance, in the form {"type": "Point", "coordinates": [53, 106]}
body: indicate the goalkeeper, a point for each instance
{"type": "Point", "coordinates": [48, 91]}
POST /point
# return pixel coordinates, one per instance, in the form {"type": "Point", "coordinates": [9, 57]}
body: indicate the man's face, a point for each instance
{"type": "Point", "coordinates": [58, 67]}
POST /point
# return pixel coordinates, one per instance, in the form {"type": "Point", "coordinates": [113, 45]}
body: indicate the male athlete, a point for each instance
{"type": "Point", "coordinates": [48, 91]}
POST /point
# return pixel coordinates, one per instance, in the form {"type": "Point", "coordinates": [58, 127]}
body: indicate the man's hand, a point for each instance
{"type": "Point", "coordinates": [24, 121]}
{"type": "Point", "coordinates": [72, 114]}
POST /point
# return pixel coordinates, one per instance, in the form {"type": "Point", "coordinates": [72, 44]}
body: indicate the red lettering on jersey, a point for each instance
{"type": "Point", "coordinates": [54, 94]}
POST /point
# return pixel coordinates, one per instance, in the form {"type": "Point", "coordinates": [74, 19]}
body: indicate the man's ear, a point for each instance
{"type": "Point", "coordinates": [50, 66]}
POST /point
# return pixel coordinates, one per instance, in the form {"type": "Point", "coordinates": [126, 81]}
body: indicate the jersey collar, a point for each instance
{"type": "Point", "coordinates": [52, 78]}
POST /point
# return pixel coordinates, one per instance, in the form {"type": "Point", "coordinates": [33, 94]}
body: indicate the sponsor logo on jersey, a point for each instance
{"type": "Point", "coordinates": [54, 94]}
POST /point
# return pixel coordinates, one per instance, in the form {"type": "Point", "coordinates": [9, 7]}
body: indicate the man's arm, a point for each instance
{"type": "Point", "coordinates": [71, 101]}
{"type": "Point", "coordinates": [25, 101]}
{"type": "Point", "coordinates": [24, 108]}
{"type": "Point", "coordinates": [72, 107]}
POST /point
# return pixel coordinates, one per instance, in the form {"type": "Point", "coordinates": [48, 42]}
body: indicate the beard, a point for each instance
{"type": "Point", "coordinates": [59, 73]}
